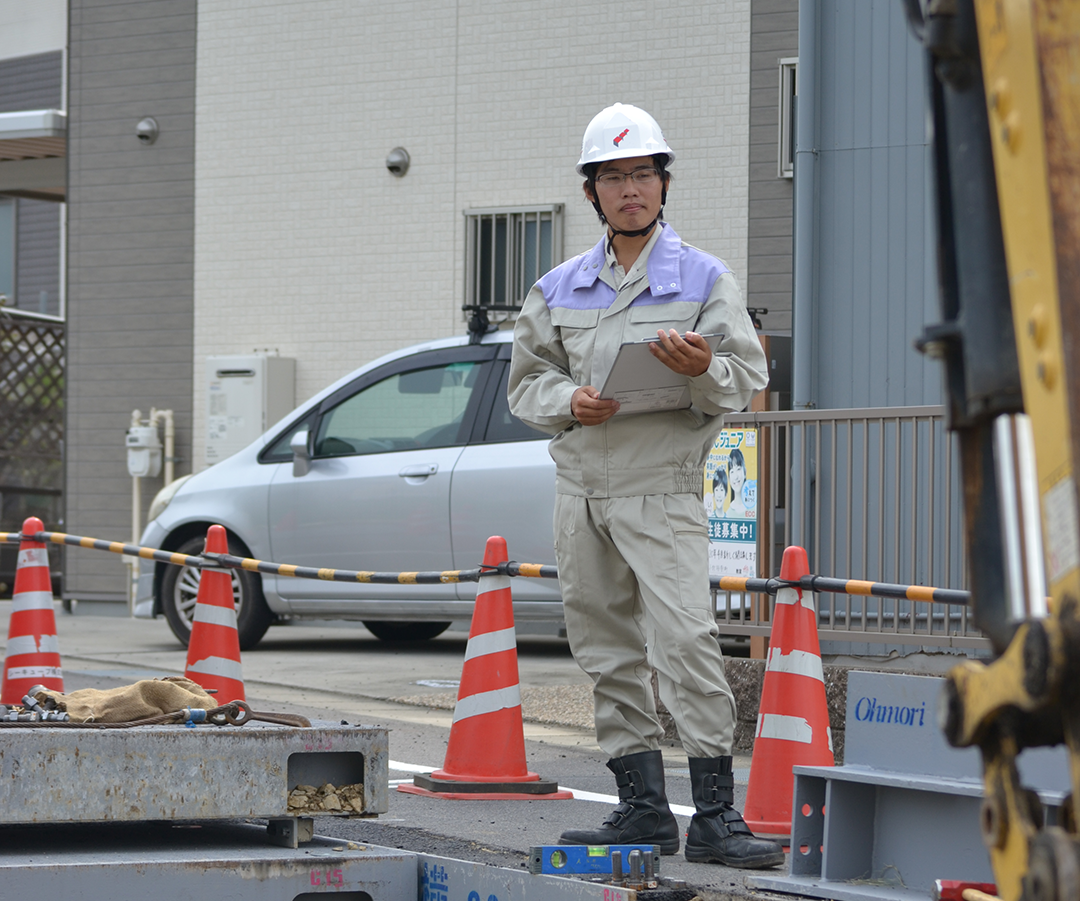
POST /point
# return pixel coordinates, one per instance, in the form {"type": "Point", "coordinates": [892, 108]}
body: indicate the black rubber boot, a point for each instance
{"type": "Point", "coordinates": [717, 832]}
{"type": "Point", "coordinates": [643, 816]}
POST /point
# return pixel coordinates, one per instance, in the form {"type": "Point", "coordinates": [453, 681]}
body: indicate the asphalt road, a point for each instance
{"type": "Point", "coordinates": [338, 671]}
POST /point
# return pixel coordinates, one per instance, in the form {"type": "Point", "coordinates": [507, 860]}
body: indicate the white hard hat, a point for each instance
{"type": "Point", "coordinates": [619, 132]}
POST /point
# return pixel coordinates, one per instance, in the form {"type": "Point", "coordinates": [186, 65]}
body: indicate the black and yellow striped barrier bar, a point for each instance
{"type": "Point", "coordinates": [529, 570]}
{"type": "Point", "coordinates": [741, 583]}
{"type": "Point", "coordinates": [512, 568]}
{"type": "Point", "coordinates": [824, 584]}
{"type": "Point", "coordinates": [885, 590]}
{"type": "Point", "coordinates": [343, 575]}
{"type": "Point", "coordinates": [229, 561]}
{"type": "Point", "coordinates": [98, 544]}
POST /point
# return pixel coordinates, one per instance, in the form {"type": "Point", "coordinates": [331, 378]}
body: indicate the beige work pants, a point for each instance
{"type": "Point", "coordinates": [634, 573]}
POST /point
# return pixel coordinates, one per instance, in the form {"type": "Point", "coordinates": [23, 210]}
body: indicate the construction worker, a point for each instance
{"type": "Point", "coordinates": [631, 536]}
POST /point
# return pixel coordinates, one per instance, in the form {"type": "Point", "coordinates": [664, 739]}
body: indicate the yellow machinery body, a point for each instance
{"type": "Point", "coordinates": [1027, 68]}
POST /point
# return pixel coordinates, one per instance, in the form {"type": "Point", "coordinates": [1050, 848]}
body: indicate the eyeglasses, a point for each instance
{"type": "Point", "coordinates": [616, 179]}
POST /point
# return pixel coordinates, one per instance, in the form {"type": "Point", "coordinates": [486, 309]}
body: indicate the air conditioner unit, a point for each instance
{"type": "Point", "coordinates": [245, 395]}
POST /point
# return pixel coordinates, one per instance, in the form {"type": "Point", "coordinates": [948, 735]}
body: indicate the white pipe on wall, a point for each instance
{"type": "Point", "coordinates": [166, 416]}
{"type": "Point", "coordinates": [169, 470]}
{"type": "Point", "coordinates": [136, 517]}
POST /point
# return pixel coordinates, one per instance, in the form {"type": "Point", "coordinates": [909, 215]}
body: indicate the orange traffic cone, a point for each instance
{"type": "Point", "coordinates": [33, 652]}
{"type": "Point", "coordinates": [213, 659]}
{"type": "Point", "coordinates": [485, 756]}
{"type": "Point", "coordinates": [793, 718]}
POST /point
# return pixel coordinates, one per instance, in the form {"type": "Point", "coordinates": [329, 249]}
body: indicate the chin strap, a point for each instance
{"type": "Point", "coordinates": [612, 232]}
{"type": "Point", "coordinates": [634, 234]}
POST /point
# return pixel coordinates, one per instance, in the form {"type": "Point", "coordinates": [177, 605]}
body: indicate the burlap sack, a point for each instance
{"type": "Point", "coordinates": [149, 697]}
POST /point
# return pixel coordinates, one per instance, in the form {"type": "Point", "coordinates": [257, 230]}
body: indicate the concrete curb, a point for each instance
{"type": "Point", "coordinates": [746, 677]}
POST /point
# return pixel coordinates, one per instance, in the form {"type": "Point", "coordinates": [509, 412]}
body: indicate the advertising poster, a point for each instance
{"type": "Point", "coordinates": [730, 495]}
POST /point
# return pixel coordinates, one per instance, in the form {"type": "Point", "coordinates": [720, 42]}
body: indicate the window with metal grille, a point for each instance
{"type": "Point", "coordinates": [506, 251]}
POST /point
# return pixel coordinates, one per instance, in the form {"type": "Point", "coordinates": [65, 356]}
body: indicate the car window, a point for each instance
{"type": "Point", "coordinates": [414, 409]}
{"type": "Point", "coordinates": [281, 450]}
{"type": "Point", "coordinates": [504, 425]}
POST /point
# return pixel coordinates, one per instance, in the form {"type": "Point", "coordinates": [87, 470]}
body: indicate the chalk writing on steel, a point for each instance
{"type": "Point", "coordinates": [334, 878]}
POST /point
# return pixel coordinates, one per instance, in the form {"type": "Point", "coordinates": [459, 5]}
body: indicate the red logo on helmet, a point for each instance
{"type": "Point", "coordinates": [625, 132]}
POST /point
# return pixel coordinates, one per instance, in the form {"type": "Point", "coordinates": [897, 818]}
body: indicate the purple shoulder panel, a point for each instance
{"type": "Point", "coordinates": [680, 272]}
{"type": "Point", "coordinates": [576, 284]}
{"type": "Point", "coordinates": [677, 272]}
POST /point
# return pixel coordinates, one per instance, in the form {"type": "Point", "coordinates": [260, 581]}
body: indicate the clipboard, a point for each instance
{"type": "Point", "coordinates": [642, 384]}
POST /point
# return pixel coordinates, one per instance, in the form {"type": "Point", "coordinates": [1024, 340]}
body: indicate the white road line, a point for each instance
{"type": "Point", "coordinates": [410, 767]}
{"type": "Point", "coordinates": [579, 795]}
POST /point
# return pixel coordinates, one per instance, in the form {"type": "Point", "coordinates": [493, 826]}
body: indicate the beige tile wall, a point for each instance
{"type": "Point", "coordinates": [304, 243]}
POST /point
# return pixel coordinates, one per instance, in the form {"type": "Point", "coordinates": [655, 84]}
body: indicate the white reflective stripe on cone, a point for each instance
{"type": "Point", "coordinates": [217, 616]}
{"type": "Point", "coordinates": [487, 702]}
{"type": "Point", "coordinates": [34, 556]}
{"type": "Point", "coordinates": [488, 584]}
{"type": "Point", "coordinates": [791, 596]}
{"type": "Point", "coordinates": [798, 663]}
{"type": "Point", "coordinates": [491, 643]}
{"type": "Point", "coordinates": [31, 644]}
{"type": "Point", "coordinates": [32, 600]}
{"type": "Point", "coordinates": [218, 666]}
{"type": "Point", "coordinates": [35, 672]}
{"type": "Point", "coordinates": [786, 728]}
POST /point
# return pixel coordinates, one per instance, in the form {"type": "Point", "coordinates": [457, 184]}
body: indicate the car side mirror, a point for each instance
{"type": "Point", "coordinates": [301, 460]}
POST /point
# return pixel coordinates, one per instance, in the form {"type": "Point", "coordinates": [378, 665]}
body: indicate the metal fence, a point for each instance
{"type": "Point", "coordinates": [872, 494]}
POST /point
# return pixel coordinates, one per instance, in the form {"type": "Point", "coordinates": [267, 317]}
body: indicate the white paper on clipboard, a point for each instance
{"type": "Point", "coordinates": [642, 384]}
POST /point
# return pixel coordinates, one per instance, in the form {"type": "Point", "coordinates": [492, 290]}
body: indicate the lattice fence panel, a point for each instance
{"type": "Point", "coordinates": [31, 405]}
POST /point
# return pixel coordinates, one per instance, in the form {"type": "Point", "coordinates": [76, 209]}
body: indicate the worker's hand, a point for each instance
{"type": "Point", "coordinates": [687, 357]}
{"type": "Point", "coordinates": [589, 409]}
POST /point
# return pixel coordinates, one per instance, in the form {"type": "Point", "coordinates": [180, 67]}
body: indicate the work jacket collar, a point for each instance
{"type": "Point", "coordinates": [662, 265]}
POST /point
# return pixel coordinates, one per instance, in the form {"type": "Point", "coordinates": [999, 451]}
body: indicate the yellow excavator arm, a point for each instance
{"type": "Point", "coordinates": [1005, 95]}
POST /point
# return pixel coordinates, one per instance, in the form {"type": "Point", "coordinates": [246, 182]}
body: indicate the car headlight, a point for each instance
{"type": "Point", "coordinates": [164, 496]}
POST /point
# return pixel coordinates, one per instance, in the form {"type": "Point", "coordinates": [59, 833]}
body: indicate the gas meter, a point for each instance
{"type": "Point", "coordinates": [143, 451]}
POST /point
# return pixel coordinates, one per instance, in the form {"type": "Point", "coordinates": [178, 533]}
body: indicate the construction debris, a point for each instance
{"type": "Point", "coordinates": [327, 799]}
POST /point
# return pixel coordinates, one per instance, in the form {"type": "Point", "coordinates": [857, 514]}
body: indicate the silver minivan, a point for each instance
{"type": "Point", "coordinates": [408, 464]}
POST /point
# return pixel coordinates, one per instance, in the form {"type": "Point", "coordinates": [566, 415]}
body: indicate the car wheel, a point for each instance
{"type": "Point", "coordinates": [180, 589]}
{"type": "Point", "coordinates": [393, 631]}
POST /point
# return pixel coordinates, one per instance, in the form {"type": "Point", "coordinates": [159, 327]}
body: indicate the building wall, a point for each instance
{"type": "Point", "coordinates": [868, 243]}
{"type": "Point", "coordinates": [37, 271]}
{"type": "Point", "coordinates": [27, 29]}
{"type": "Point", "coordinates": [31, 82]}
{"type": "Point", "coordinates": [774, 35]}
{"type": "Point", "coordinates": [304, 243]}
{"type": "Point", "coordinates": [130, 258]}
{"type": "Point", "coordinates": [871, 239]}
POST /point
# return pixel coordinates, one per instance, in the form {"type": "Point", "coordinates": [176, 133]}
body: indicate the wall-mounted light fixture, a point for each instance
{"type": "Point", "coordinates": [398, 161]}
{"type": "Point", "coordinates": [147, 131]}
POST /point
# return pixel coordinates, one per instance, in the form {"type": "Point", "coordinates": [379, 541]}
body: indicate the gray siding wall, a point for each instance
{"type": "Point", "coordinates": [871, 235]}
{"type": "Point", "coordinates": [37, 267]}
{"type": "Point", "coordinates": [774, 35]}
{"type": "Point", "coordinates": [130, 259]}
{"type": "Point", "coordinates": [32, 82]}
{"type": "Point", "coordinates": [866, 240]}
